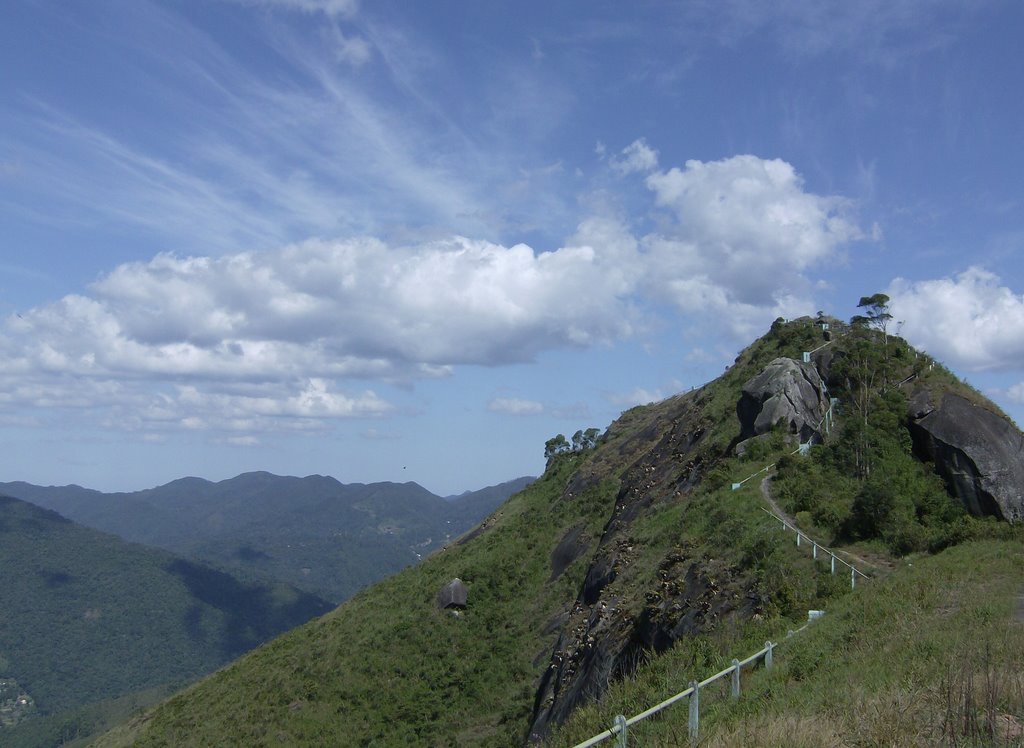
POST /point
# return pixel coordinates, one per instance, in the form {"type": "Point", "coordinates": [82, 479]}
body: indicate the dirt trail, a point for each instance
{"type": "Point", "coordinates": [879, 564]}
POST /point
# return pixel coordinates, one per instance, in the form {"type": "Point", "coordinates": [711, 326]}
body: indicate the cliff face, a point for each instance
{"type": "Point", "coordinates": [979, 453]}
{"type": "Point", "coordinates": [599, 640]}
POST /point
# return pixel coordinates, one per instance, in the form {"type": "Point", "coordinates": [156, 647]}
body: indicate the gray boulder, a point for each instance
{"type": "Point", "coordinates": [788, 392]}
{"type": "Point", "coordinates": [453, 595]}
{"type": "Point", "coordinates": [979, 453]}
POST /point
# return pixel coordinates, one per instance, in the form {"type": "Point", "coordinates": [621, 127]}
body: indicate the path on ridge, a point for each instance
{"type": "Point", "coordinates": [881, 564]}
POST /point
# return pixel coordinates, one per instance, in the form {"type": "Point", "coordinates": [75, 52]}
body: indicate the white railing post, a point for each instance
{"type": "Point", "coordinates": [814, 553]}
{"type": "Point", "coordinates": [853, 578]}
{"type": "Point", "coordinates": [735, 678]}
{"type": "Point", "coordinates": [797, 538]}
{"type": "Point", "coordinates": [621, 740]}
{"type": "Point", "coordinates": [694, 724]}
{"type": "Point", "coordinates": [768, 655]}
{"type": "Point", "coordinates": [833, 562]}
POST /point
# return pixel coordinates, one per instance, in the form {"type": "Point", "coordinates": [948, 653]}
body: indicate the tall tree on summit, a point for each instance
{"type": "Point", "coordinates": [876, 312]}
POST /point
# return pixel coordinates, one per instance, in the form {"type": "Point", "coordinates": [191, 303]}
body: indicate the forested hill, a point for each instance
{"type": "Point", "coordinates": [86, 617]}
{"type": "Point", "coordinates": [321, 535]}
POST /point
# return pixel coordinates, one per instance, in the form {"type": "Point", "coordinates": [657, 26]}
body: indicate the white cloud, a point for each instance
{"type": "Point", "coordinates": [352, 49]}
{"type": "Point", "coordinates": [637, 157]}
{"type": "Point", "coordinates": [242, 441]}
{"type": "Point", "coordinates": [515, 406]}
{"type": "Point", "coordinates": [739, 237]}
{"type": "Point", "coordinates": [259, 340]}
{"type": "Point", "coordinates": [333, 8]}
{"type": "Point", "coordinates": [884, 32]}
{"type": "Point", "coordinates": [639, 396]}
{"type": "Point", "coordinates": [1016, 393]}
{"type": "Point", "coordinates": [970, 320]}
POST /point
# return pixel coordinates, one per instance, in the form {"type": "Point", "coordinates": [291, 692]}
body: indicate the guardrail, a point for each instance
{"type": "Point", "coordinates": [620, 730]}
{"type": "Point", "coordinates": [816, 546]}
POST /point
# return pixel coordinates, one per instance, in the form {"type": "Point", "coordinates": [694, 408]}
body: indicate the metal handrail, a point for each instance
{"type": "Point", "coordinates": [816, 545]}
{"type": "Point", "coordinates": [693, 691]}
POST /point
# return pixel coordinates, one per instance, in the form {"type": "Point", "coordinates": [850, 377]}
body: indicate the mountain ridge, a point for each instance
{"type": "Point", "coordinates": [323, 536]}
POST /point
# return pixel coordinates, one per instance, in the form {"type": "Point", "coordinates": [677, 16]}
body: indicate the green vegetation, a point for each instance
{"type": "Point", "coordinates": [581, 441]}
{"type": "Point", "coordinates": [929, 656]}
{"type": "Point", "coordinates": [327, 538]}
{"type": "Point", "coordinates": [389, 667]}
{"type": "Point", "coordinates": [87, 617]}
{"type": "Point", "coordinates": [678, 547]}
{"type": "Point", "coordinates": [865, 483]}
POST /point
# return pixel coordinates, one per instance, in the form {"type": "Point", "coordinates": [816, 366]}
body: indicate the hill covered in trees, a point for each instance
{"type": "Point", "coordinates": [316, 533]}
{"type": "Point", "coordinates": [88, 619]}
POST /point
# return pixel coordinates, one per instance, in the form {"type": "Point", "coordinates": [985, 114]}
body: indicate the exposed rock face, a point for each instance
{"type": "Point", "coordinates": [573, 545]}
{"type": "Point", "coordinates": [978, 453]}
{"type": "Point", "coordinates": [453, 595]}
{"type": "Point", "coordinates": [788, 392]}
{"type": "Point", "coordinates": [601, 636]}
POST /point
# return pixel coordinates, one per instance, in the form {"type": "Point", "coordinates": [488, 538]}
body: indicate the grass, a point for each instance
{"type": "Point", "coordinates": [389, 668]}
{"type": "Point", "coordinates": [394, 669]}
{"type": "Point", "coordinates": [931, 655]}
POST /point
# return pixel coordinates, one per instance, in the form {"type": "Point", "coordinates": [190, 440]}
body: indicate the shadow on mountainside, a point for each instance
{"type": "Point", "coordinates": [250, 614]}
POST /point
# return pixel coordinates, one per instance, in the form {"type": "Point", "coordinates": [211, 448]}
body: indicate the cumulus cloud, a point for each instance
{"type": "Point", "coordinates": [637, 157]}
{"type": "Point", "coordinates": [251, 341]}
{"type": "Point", "coordinates": [515, 406]}
{"type": "Point", "coordinates": [740, 235]}
{"type": "Point", "coordinates": [971, 320]}
{"type": "Point", "coordinates": [260, 340]}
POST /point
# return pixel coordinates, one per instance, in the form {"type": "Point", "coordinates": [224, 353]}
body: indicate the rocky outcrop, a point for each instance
{"type": "Point", "coordinates": [979, 453]}
{"type": "Point", "coordinates": [787, 392]}
{"type": "Point", "coordinates": [604, 635]}
{"type": "Point", "coordinates": [453, 595]}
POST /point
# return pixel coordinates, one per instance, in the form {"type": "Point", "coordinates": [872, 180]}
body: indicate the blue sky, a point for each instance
{"type": "Point", "coordinates": [412, 241]}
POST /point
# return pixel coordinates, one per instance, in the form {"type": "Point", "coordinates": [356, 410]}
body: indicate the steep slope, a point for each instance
{"type": "Point", "coordinates": [87, 617]}
{"type": "Point", "coordinates": [316, 533]}
{"type": "Point", "coordinates": [929, 656]}
{"type": "Point", "coordinates": [616, 556]}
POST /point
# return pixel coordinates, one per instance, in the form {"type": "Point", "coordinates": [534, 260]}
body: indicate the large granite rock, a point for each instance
{"type": "Point", "coordinates": [788, 392]}
{"type": "Point", "coordinates": [453, 595]}
{"type": "Point", "coordinates": [978, 453]}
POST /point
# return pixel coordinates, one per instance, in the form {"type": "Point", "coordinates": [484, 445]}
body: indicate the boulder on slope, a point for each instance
{"type": "Point", "coordinates": [787, 392]}
{"type": "Point", "coordinates": [979, 454]}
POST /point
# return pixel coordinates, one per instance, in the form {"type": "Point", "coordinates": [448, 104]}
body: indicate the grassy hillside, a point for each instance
{"type": "Point", "coordinates": [88, 617]}
{"type": "Point", "coordinates": [930, 655]}
{"type": "Point", "coordinates": [622, 568]}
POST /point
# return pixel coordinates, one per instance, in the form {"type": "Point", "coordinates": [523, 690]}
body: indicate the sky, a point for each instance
{"type": "Point", "coordinates": [412, 241]}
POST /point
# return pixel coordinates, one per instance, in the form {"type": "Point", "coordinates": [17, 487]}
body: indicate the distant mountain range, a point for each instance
{"type": "Point", "coordinates": [321, 535]}
{"type": "Point", "coordinates": [87, 617]}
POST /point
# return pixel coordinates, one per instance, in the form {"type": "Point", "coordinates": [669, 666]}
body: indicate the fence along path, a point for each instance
{"type": "Point", "coordinates": [620, 729]}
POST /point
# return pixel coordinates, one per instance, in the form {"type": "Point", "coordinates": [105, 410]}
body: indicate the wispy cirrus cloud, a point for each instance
{"type": "Point", "coordinates": [515, 406]}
